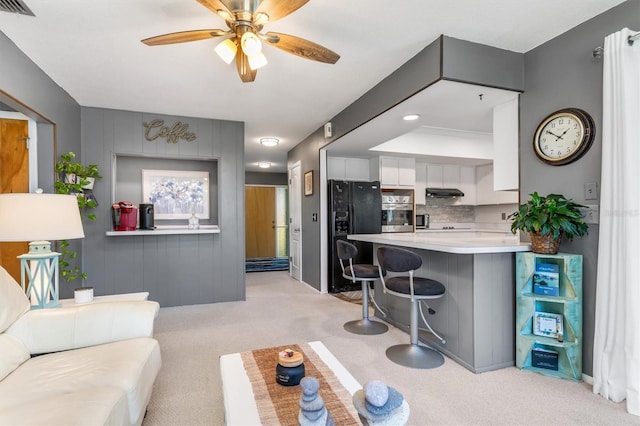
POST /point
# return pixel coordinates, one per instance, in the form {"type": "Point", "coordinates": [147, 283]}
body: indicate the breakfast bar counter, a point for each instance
{"type": "Point", "coordinates": [476, 317]}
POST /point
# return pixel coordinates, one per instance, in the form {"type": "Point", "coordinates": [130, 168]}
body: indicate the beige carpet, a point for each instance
{"type": "Point", "coordinates": [279, 311]}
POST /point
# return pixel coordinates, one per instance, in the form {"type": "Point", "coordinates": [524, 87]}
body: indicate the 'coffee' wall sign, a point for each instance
{"type": "Point", "coordinates": [156, 129]}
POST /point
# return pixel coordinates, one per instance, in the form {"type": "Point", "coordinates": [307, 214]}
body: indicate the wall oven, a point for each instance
{"type": "Point", "coordinates": [397, 212]}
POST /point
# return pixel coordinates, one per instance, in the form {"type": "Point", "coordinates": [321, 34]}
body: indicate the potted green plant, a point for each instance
{"type": "Point", "coordinates": [76, 179]}
{"type": "Point", "coordinates": [547, 220]}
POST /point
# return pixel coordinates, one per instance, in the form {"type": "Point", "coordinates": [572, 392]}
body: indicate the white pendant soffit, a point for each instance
{"type": "Point", "coordinates": [441, 143]}
{"type": "Point", "coordinates": [454, 108]}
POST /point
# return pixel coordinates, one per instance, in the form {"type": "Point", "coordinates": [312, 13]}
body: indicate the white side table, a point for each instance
{"type": "Point", "coordinates": [109, 298]}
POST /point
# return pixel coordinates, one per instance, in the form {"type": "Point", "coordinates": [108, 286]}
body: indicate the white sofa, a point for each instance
{"type": "Point", "coordinates": [95, 364]}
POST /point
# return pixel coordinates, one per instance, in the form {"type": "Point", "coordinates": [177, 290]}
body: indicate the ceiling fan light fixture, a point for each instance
{"type": "Point", "coordinates": [227, 50]}
{"type": "Point", "coordinates": [260, 18]}
{"type": "Point", "coordinates": [269, 141]}
{"type": "Point", "coordinates": [257, 61]}
{"type": "Point", "coordinates": [251, 44]}
{"type": "Point", "coordinates": [264, 164]}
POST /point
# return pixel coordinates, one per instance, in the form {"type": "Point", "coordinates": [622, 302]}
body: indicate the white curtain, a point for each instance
{"type": "Point", "coordinates": [616, 349]}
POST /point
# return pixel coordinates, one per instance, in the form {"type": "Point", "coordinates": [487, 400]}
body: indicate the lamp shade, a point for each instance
{"type": "Point", "coordinates": [30, 217]}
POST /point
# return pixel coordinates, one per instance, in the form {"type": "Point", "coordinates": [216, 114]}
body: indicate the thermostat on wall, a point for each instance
{"type": "Point", "coordinates": [328, 130]}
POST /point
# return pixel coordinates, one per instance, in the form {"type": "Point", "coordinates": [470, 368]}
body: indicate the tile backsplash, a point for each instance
{"type": "Point", "coordinates": [442, 211]}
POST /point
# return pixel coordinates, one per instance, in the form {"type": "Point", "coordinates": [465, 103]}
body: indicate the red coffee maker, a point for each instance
{"type": "Point", "coordinates": [124, 215]}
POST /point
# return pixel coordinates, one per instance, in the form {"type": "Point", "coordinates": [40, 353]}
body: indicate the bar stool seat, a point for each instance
{"type": "Point", "coordinates": [365, 274]}
{"type": "Point", "coordinates": [416, 289]}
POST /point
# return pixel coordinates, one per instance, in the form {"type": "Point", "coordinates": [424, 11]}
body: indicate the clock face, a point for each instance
{"type": "Point", "coordinates": [564, 136]}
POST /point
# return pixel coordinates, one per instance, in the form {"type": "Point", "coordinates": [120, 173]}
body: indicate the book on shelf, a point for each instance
{"type": "Point", "coordinates": [547, 324]}
{"type": "Point", "coordinates": [546, 279]}
{"type": "Point", "coordinates": [544, 358]}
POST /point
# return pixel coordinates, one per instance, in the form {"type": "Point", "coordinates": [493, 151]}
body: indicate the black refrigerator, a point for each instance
{"type": "Point", "coordinates": [354, 208]}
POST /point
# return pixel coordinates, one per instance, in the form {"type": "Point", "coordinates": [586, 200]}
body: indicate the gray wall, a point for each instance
{"type": "Point", "coordinates": [27, 84]}
{"type": "Point", "coordinates": [563, 73]}
{"type": "Point", "coordinates": [174, 269]}
{"type": "Point", "coordinates": [473, 62]}
{"type": "Point", "coordinates": [261, 178]}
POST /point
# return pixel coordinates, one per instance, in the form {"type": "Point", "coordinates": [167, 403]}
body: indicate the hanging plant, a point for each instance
{"type": "Point", "coordinates": [76, 179]}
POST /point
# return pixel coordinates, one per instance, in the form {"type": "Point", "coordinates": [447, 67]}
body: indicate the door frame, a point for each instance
{"type": "Point", "coordinates": [324, 219]}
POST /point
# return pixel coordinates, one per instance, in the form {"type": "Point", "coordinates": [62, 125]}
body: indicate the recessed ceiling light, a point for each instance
{"type": "Point", "coordinates": [410, 117]}
{"type": "Point", "coordinates": [269, 141]}
{"type": "Point", "coordinates": [264, 164]}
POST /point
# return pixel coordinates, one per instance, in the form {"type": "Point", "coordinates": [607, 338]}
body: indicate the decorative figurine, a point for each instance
{"type": "Point", "coordinates": [381, 405]}
{"type": "Point", "coordinates": [312, 409]}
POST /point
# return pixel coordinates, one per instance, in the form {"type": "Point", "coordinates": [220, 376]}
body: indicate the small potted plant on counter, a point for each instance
{"type": "Point", "coordinates": [76, 179]}
{"type": "Point", "coordinates": [547, 220]}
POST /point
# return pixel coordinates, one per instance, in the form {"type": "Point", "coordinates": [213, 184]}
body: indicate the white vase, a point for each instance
{"type": "Point", "coordinates": [83, 295]}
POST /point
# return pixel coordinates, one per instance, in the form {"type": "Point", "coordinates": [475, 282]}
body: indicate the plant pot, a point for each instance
{"type": "Point", "coordinates": [89, 185]}
{"type": "Point", "coordinates": [83, 295]}
{"type": "Point", "coordinates": [70, 178]}
{"type": "Point", "coordinates": [544, 244]}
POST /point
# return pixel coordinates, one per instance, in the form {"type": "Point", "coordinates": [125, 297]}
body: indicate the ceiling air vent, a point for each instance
{"type": "Point", "coordinates": [15, 6]}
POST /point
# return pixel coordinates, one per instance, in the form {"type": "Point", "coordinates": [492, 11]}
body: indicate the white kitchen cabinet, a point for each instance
{"type": "Point", "coordinates": [395, 171]}
{"type": "Point", "coordinates": [343, 168]}
{"type": "Point", "coordinates": [505, 146]}
{"type": "Point", "coordinates": [421, 183]}
{"type": "Point", "coordinates": [468, 186]}
{"type": "Point", "coordinates": [485, 192]}
{"type": "Point", "coordinates": [434, 175]}
{"type": "Point", "coordinates": [443, 176]}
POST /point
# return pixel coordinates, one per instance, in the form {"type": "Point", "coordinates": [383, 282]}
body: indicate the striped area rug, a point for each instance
{"type": "Point", "coordinates": [263, 264]}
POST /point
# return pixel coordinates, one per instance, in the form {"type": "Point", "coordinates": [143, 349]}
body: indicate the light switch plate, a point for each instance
{"type": "Point", "coordinates": [590, 191]}
{"type": "Point", "coordinates": [591, 214]}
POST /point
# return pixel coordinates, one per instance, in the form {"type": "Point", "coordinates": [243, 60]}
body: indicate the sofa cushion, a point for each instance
{"type": "Point", "coordinates": [100, 405]}
{"type": "Point", "coordinates": [13, 354]}
{"type": "Point", "coordinates": [13, 301]}
{"type": "Point", "coordinates": [130, 365]}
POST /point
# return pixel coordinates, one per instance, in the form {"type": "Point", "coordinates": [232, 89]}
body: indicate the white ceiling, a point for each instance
{"type": "Point", "coordinates": [92, 49]}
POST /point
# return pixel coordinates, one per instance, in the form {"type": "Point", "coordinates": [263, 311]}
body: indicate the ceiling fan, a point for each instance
{"type": "Point", "coordinates": [243, 38]}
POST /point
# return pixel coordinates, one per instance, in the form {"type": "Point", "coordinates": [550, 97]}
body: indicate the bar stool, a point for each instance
{"type": "Point", "coordinates": [417, 289]}
{"type": "Point", "coordinates": [365, 274]}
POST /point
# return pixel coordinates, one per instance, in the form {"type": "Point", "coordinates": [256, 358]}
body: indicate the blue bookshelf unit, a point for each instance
{"type": "Point", "coordinates": [559, 356]}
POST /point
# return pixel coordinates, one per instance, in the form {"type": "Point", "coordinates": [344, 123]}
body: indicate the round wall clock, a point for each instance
{"type": "Point", "coordinates": [564, 136]}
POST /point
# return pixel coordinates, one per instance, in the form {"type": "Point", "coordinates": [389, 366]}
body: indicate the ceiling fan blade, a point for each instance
{"type": "Point", "coordinates": [183, 37]}
{"type": "Point", "coordinates": [247, 75]}
{"type": "Point", "coordinates": [215, 6]}
{"type": "Point", "coordinates": [301, 47]}
{"type": "Point", "coordinates": [277, 9]}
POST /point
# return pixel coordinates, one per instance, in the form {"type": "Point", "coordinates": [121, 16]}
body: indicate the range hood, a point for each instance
{"type": "Point", "coordinates": [444, 193]}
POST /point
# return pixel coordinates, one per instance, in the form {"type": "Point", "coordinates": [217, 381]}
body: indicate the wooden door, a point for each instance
{"type": "Point", "coordinates": [14, 177]}
{"type": "Point", "coordinates": [260, 221]}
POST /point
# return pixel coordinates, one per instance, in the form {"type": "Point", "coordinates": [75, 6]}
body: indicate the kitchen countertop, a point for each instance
{"type": "Point", "coordinates": [455, 241]}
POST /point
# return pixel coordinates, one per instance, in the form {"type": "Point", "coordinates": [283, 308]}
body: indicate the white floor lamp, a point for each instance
{"type": "Point", "coordinates": [40, 219]}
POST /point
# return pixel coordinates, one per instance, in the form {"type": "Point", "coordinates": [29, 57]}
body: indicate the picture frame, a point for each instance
{"type": "Point", "coordinates": [308, 183]}
{"type": "Point", "coordinates": [547, 325]}
{"type": "Point", "coordinates": [176, 194]}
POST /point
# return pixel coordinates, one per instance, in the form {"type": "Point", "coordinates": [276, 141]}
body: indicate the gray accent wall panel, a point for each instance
{"type": "Point", "coordinates": [174, 269]}
{"type": "Point", "coordinates": [484, 65]}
